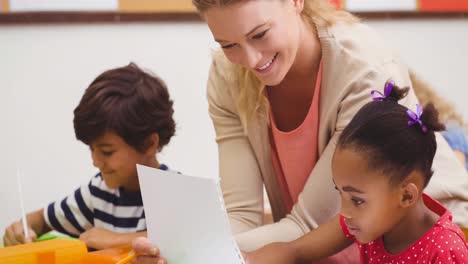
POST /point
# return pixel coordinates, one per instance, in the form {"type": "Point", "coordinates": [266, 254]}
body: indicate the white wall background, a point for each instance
{"type": "Point", "coordinates": [44, 70]}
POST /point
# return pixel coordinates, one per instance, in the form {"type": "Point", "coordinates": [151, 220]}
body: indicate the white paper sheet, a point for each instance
{"type": "Point", "coordinates": [186, 219]}
{"type": "Point", "coordinates": [63, 5]}
{"type": "Point", "coordinates": [380, 5]}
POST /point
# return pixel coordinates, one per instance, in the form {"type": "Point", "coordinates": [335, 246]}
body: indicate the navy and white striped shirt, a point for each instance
{"type": "Point", "coordinates": [96, 205]}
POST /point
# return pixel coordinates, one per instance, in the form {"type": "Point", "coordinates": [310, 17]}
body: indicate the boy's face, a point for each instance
{"type": "Point", "coordinates": [117, 161]}
{"type": "Point", "coordinates": [369, 204]}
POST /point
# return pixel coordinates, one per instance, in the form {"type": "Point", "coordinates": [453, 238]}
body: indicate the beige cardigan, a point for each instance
{"type": "Point", "coordinates": [355, 61]}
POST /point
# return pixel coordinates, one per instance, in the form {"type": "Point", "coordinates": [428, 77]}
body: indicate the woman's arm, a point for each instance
{"type": "Point", "coordinates": [317, 203]}
{"type": "Point", "coordinates": [241, 181]}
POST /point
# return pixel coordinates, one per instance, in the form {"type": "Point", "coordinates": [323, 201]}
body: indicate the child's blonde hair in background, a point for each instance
{"type": "Point", "coordinates": [426, 94]}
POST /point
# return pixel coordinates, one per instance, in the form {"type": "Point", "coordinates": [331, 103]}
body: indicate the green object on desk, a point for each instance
{"type": "Point", "coordinates": [48, 236]}
{"type": "Point", "coordinates": [52, 235]}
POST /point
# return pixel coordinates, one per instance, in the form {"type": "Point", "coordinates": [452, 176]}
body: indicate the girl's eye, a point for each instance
{"type": "Point", "coordinates": [260, 35]}
{"type": "Point", "coordinates": [228, 46]}
{"type": "Point", "coordinates": [357, 201]}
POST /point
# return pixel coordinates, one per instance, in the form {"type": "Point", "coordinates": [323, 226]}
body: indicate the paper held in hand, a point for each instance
{"type": "Point", "coordinates": [186, 218]}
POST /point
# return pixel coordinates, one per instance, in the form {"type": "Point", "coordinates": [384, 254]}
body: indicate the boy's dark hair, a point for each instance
{"type": "Point", "coordinates": [129, 102]}
{"type": "Point", "coordinates": [380, 130]}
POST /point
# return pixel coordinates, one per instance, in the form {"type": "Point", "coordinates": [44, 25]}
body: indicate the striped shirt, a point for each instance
{"type": "Point", "coordinates": [96, 205]}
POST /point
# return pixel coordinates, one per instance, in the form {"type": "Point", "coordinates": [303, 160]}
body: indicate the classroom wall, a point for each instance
{"type": "Point", "coordinates": [44, 70]}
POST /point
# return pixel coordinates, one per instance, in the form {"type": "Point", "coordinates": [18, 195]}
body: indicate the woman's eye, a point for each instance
{"type": "Point", "coordinates": [260, 35]}
{"type": "Point", "coordinates": [338, 190]}
{"type": "Point", "coordinates": [228, 46]}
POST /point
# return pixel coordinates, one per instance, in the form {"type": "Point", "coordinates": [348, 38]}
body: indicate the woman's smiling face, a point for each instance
{"type": "Point", "coordinates": [260, 35]}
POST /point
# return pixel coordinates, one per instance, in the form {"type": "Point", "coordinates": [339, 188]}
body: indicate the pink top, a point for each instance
{"type": "Point", "coordinates": [295, 153]}
{"type": "Point", "coordinates": [443, 243]}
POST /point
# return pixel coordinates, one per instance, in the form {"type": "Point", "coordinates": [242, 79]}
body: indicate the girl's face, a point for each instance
{"type": "Point", "coordinates": [116, 160]}
{"type": "Point", "coordinates": [370, 205]}
{"type": "Point", "coordinates": [262, 35]}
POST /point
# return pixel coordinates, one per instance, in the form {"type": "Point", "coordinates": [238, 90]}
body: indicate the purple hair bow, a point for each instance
{"type": "Point", "coordinates": [387, 91]}
{"type": "Point", "coordinates": [416, 117]}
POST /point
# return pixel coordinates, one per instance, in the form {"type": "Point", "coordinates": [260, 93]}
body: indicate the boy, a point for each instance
{"type": "Point", "coordinates": [125, 117]}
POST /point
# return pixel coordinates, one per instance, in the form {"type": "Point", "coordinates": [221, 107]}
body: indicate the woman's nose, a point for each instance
{"type": "Point", "coordinates": [251, 57]}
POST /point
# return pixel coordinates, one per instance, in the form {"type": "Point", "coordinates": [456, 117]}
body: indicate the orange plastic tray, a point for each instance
{"type": "Point", "coordinates": [55, 251]}
{"type": "Point", "coordinates": [107, 256]}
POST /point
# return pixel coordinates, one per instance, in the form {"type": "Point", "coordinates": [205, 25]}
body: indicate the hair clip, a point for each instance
{"type": "Point", "coordinates": [416, 117]}
{"type": "Point", "coordinates": [387, 91]}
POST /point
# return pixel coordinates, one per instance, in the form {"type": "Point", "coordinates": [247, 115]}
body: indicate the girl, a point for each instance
{"type": "Point", "coordinates": [381, 165]}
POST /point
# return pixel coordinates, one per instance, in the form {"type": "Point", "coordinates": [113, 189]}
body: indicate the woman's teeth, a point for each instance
{"type": "Point", "coordinates": [267, 64]}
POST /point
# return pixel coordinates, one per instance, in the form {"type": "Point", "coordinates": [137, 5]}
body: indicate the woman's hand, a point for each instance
{"type": "Point", "coordinates": [275, 253]}
{"type": "Point", "coordinates": [146, 252]}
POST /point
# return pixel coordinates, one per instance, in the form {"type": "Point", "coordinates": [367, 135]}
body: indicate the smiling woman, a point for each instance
{"type": "Point", "coordinates": [289, 77]}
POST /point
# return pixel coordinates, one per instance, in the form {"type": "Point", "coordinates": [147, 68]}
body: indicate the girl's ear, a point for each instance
{"type": "Point", "coordinates": [409, 194]}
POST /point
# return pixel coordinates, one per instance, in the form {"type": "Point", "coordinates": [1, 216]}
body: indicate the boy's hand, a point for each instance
{"type": "Point", "coordinates": [275, 253]}
{"type": "Point", "coordinates": [14, 234]}
{"type": "Point", "coordinates": [100, 238]}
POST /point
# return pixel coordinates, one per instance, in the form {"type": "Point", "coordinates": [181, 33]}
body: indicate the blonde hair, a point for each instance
{"type": "Point", "coordinates": [252, 99]}
{"type": "Point", "coordinates": [426, 94]}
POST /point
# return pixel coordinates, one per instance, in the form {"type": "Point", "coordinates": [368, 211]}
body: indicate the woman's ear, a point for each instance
{"type": "Point", "coordinates": [299, 6]}
{"type": "Point", "coordinates": [409, 194]}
